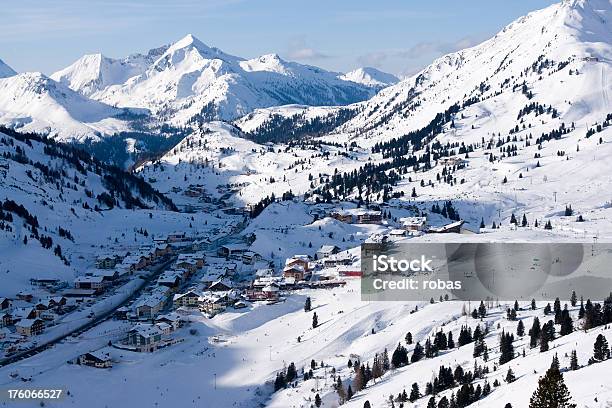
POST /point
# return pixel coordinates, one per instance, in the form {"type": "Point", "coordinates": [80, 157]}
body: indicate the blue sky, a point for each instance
{"type": "Point", "coordinates": [394, 35]}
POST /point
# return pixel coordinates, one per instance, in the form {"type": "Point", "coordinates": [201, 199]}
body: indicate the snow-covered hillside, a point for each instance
{"type": "Point", "coordinates": [64, 189]}
{"type": "Point", "coordinates": [189, 79]}
{"type": "Point", "coordinates": [33, 102]}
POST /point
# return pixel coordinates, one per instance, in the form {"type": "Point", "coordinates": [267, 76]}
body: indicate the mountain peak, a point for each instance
{"type": "Point", "coordinates": [5, 70]}
{"type": "Point", "coordinates": [370, 76]}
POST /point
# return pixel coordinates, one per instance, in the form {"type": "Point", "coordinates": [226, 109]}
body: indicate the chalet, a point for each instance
{"type": "Point", "coordinates": [176, 237]}
{"type": "Point", "coordinates": [170, 279]}
{"type": "Point", "coordinates": [134, 263]}
{"type": "Point", "coordinates": [45, 282]}
{"type": "Point", "coordinates": [5, 303]}
{"type": "Point", "coordinates": [398, 233]}
{"type": "Point", "coordinates": [197, 257]}
{"type": "Point", "coordinates": [58, 301]}
{"type": "Point", "coordinates": [213, 304]}
{"type": "Point", "coordinates": [27, 296]}
{"type": "Point", "coordinates": [220, 286]}
{"type": "Point", "coordinates": [327, 250]}
{"type": "Point", "coordinates": [338, 259]}
{"type": "Point", "coordinates": [454, 227]}
{"type": "Point", "coordinates": [250, 257]}
{"type": "Point", "coordinates": [200, 244]}
{"type": "Point", "coordinates": [342, 216]}
{"type": "Point", "coordinates": [145, 337]}
{"type": "Point", "coordinates": [163, 249]}
{"type": "Point", "coordinates": [106, 261]}
{"type": "Point", "coordinates": [369, 217]}
{"type": "Point", "coordinates": [189, 300]}
{"type": "Point", "coordinates": [96, 283]}
{"type": "Point", "coordinates": [414, 223]}
{"type": "Point", "coordinates": [107, 275]}
{"type": "Point", "coordinates": [4, 333]}
{"type": "Point", "coordinates": [165, 328]}
{"type": "Point", "coordinates": [189, 265]}
{"type": "Point", "coordinates": [295, 271]}
{"type": "Point", "coordinates": [232, 250]}
{"type": "Point", "coordinates": [23, 313]}
{"type": "Point", "coordinates": [299, 260]}
{"type": "Point", "coordinates": [452, 161]}
{"type": "Point", "coordinates": [122, 313]}
{"type": "Point", "coordinates": [375, 242]}
{"type": "Point", "coordinates": [173, 319]}
{"type": "Point", "coordinates": [263, 281]}
{"type": "Point", "coordinates": [95, 359]}
{"type": "Point", "coordinates": [6, 319]}
{"type": "Point", "coordinates": [29, 327]}
{"type": "Point", "coordinates": [148, 307]}
{"type": "Point", "coordinates": [271, 292]}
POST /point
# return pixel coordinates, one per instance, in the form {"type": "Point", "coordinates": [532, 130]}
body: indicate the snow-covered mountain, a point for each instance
{"type": "Point", "coordinates": [190, 79]}
{"type": "Point", "coordinates": [5, 70]}
{"type": "Point", "coordinates": [371, 77]}
{"type": "Point", "coordinates": [33, 102]}
{"type": "Point", "coordinates": [557, 56]}
{"type": "Point", "coordinates": [95, 72]}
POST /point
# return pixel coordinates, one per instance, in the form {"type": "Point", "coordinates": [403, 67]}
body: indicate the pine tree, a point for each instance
{"type": "Point", "coordinates": [482, 224]}
{"type": "Point", "coordinates": [551, 392]}
{"type": "Point", "coordinates": [601, 350]}
{"type": "Point", "coordinates": [574, 361]}
{"type": "Point", "coordinates": [482, 310]}
{"type": "Point", "coordinates": [510, 377]}
{"type": "Point", "coordinates": [573, 299]}
{"type": "Point", "coordinates": [415, 394]}
{"type": "Point", "coordinates": [367, 404]}
{"type": "Point", "coordinates": [349, 393]}
{"type": "Point", "coordinates": [534, 333]}
{"type": "Point", "coordinates": [408, 338]}
{"type": "Point", "coordinates": [567, 325]}
{"type": "Point", "coordinates": [431, 403]}
{"type": "Point", "coordinates": [315, 320]}
{"type": "Point", "coordinates": [520, 329]}
{"type": "Point", "coordinates": [417, 353]}
{"type": "Point", "coordinates": [317, 401]}
{"type": "Point", "coordinates": [506, 348]}
{"type": "Point", "coordinates": [307, 305]}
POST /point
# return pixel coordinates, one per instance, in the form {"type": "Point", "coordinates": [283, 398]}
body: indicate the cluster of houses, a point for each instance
{"type": "Point", "coordinates": [151, 304]}
{"type": "Point", "coordinates": [358, 216]}
{"type": "Point", "coordinates": [27, 316]}
{"type": "Point", "coordinates": [112, 268]}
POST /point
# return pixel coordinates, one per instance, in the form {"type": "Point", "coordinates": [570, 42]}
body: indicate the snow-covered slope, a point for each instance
{"type": "Point", "coordinates": [5, 70]}
{"type": "Point", "coordinates": [371, 77]}
{"type": "Point", "coordinates": [63, 187]}
{"type": "Point", "coordinates": [190, 79]}
{"type": "Point", "coordinates": [33, 102]}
